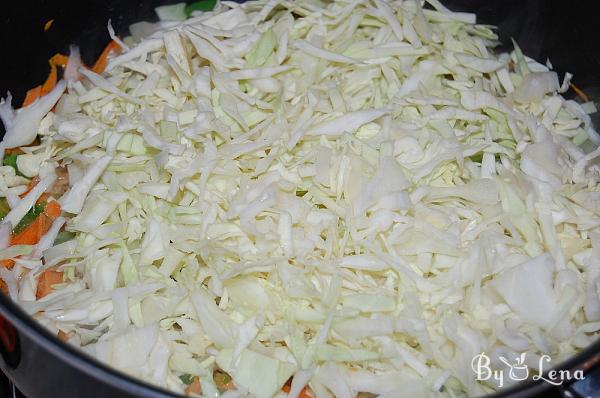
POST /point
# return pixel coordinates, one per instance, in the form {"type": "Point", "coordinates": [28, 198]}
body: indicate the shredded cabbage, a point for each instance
{"type": "Point", "coordinates": [357, 195]}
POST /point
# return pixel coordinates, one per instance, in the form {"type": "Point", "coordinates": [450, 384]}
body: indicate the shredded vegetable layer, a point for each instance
{"type": "Point", "coordinates": [305, 199]}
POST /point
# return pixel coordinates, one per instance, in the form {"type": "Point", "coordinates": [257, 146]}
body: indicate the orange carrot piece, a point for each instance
{"type": "Point", "coordinates": [62, 336]}
{"type": "Point", "coordinates": [32, 183]}
{"type": "Point", "coordinates": [48, 25]}
{"type": "Point", "coordinates": [52, 209]}
{"type": "Point", "coordinates": [305, 393]}
{"type": "Point", "coordinates": [13, 151]}
{"type": "Point", "coordinates": [55, 61]}
{"type": "Point", "coordinates": [580, 93]}
{"type": "Point", "coordinates": [102, 61]}
{"type": "Point", "coordinates": [43, 198]}
{"type": "Point", "coordinates": [33, 232]}
{"type": "Point", "coordinates": [3, 286]}
{"type": "Point", "coordinates": [39, 91]}
{"type": "Point", "coordinates": [46, 280]}
{"type": "Point", "coordinates": [50, 81]}
{"type": "Point", "coordinates": [32, 95]}
{"type": "Point", "coordinates": [59, 59]}
{"type": "Point", "coordinates": [194, 388]}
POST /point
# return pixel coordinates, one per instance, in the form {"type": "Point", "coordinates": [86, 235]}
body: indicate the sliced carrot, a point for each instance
{"type": "Point", "coordinates": [194, 387]}
{"type": "Point", "coordinates": [32, 95]}
{"type": "Point", "coordinates": [54, 62]}
{"type": "Point", "coordinates": [50, 80]}
{"type": "Point", "coordinates": [62, 336]}
{"type": "Point", "coordinates": [102, 61]}
{"type": "Point", "coordinates": [46, 280]}
{"type": "Point", "coordinates": [3, 286]}
{"type": "Point", "coordinates": [305, 393]}
{"type": "Point", "coordinates": [39, 91]}
{"type": "Point", "coordinates": [13, 151]}
{"type": "Point", "coordinates": [43, 198]}
{"type": "Point", "coordinates": [52, 209]}
{"type": "Point", "coordinates": [580, 93]}
{"type": "Point", "coordinates": [48, 25]}
{"type": "Point", "coordinates": [32, 183]}
{"type": "Point", "coordinates": [59, 59]}
{"type": "Point", "coordinates": [33, 232]}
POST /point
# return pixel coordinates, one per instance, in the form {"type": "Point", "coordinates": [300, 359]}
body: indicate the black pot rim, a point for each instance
{"type": "Point", "coordinates": [77, 358]}
{"type": "Point", "coordinates": [586, 360]}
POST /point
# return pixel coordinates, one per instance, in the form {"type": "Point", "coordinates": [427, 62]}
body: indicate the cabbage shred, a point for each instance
{"type": "Point", "coordinates": [358, 195]}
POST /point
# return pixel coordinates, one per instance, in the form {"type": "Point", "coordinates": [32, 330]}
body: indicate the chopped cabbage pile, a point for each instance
{"type": "Point", "coordinates": [359, 195]}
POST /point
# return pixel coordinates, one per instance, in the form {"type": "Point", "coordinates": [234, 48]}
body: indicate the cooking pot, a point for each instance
{"type": "Point", "coordinates": [39, 364]}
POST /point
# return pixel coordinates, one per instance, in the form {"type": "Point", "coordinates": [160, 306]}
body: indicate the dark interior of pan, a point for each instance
{"type": "Point", "coordinates": [39, 364]}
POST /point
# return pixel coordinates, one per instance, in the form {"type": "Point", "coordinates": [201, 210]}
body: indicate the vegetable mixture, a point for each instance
{"type": "Point", "coordinates": [305, 199]}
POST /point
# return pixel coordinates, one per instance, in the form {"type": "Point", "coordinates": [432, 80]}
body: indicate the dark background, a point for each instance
{"type": "Point", "coordinates": [564, 31]}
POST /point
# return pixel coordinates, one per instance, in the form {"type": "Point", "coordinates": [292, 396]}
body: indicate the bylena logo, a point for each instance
{"type": "Point", "coordinates": [518, 370]}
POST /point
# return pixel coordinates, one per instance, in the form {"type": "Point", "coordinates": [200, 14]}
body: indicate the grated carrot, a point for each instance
{"type": "Point", "coordinates": [46, 280]}
{"type": "Point", "coordinates": [112, 48]}
{"type": "Point", "coordinates": [305, 393]}
{"type": "Point", "coordinates": [32, 95]}
{"type": "Point", "coordinates": [61, 60]}
{"type": "Point", "coordinates": [194, 387]}
{"type": "Point", "coordinates": [32, 183]}
{"type": "Point", "coordinates": [52, 209]}
{"type": "Point", "coordinates": [580, 93]}
{"type": "Point", "coordinates": [55, 61]}
{"type": "Point", "coordinates": [48, 25]}
{"type": "Point", "coordinates": [62, 336]}
{"type": "Point", "coordinates": [3, 286]}
{"type": "Point", "coordinates": [33, 232]}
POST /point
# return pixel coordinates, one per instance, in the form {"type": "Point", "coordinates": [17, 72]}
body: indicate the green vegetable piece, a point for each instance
{"type": "Point", "coordinates": [477, 158]}
{"type": "Point", "coordinates": [202, 5]}
{"type": "Point", "coordinates": [64, 236]}
{"type": "Point", "coordinates": [186, 379]}
{"type": "Point", "coordinates": [4, 208]}
{"type": "Point", "coordinates": [11, 160]}
{"type": "Point", "coordinates": [172, 12]}
{"type": "Point", "coordinates": [29, 217]}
